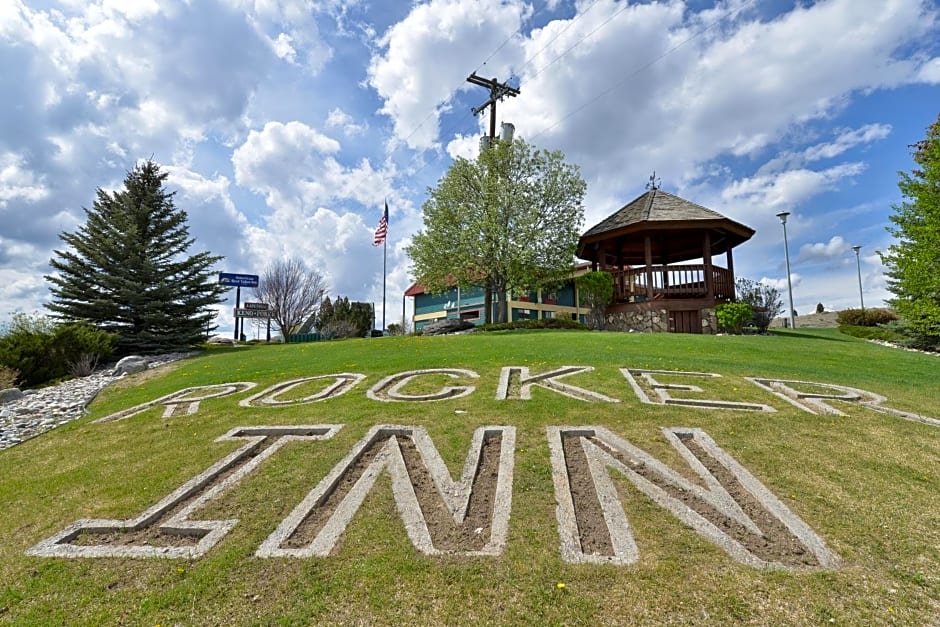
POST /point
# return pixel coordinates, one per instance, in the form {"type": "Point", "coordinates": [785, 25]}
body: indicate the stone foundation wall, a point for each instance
{"type": "Point", "coordinates": [709, 321]}
{"type": "Point", "coordinates": [655, 321]}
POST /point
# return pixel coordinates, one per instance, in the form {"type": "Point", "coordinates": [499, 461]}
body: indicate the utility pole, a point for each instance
{"type": "Point", "coordinates": [498, 91]}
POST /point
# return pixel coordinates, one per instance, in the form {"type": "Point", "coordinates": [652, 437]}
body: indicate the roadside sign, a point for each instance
{"type": "Point", "coordinates": [252, 313]}
{"type": "Point", "coordinates": [256, 306]}
{"type": "Point", "coordinates": [238, 280]}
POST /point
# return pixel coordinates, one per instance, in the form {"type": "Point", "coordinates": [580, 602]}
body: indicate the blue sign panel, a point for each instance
{"type": "Point", "coordinates": [238, 280]}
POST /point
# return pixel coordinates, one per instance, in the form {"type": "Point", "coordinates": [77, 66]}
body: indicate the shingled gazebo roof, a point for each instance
{"type": "Point", "coordinates": [674, 225]}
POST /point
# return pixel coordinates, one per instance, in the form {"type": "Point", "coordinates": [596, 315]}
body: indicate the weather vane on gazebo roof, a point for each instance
{"type": "Point", "coordinates": [654, 183]}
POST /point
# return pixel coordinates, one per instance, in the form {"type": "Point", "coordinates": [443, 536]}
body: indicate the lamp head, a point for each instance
{"type": "Point", "coordinates": [856, 248]}
{"type": "Point", "coordinates": [783, 216]}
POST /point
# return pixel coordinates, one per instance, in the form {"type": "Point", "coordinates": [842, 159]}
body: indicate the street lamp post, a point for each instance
{"type": "Point", "coordinates": [786, 251]}
{"type": "Point", "coordinates": [858, 264]}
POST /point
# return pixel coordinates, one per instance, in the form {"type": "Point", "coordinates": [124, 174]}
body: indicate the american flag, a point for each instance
{"type": "Point", "coordinates": [382, 231]}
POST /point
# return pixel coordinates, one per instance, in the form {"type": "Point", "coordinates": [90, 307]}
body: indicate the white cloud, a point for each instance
{"type": "Point", "coordinates": [651, 94]}
{"type": "Point", "coordinates": [338, 118]}
{"type": "Point", "coordinates": [786, 190]}
{"type": "Point", "coordinates": [283, 48]}
{"type": "Point", "coordinates": [16, 182]}
{"type": "Point", "coordinates": [780, 284]}
{"type": "Point", "coordinates": [290, 28]}
{"type": "Point", "coordinates": [308, 193]}
{"type": "Point", "coordinates": [930, 72]}
{"type": "Point", "coordinates": [846, 140]}
{"type": "Point", "coordinates": [424, 59]}
{"type": "Point", "coordinates": [278, 159]}
{"type": "Point", "coordinates": [465, 146]}
{"type": "Point", "coordinates": [835, 248]}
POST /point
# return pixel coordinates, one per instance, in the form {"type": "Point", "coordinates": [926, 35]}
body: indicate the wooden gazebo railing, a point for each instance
{"type": "Point", "coordinates": [672, 282]}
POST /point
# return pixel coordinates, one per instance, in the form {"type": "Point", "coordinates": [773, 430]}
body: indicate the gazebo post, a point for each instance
{"type": "Point", "coordinates": [707, 258]}
{"type": "Point", "coordinates": [731, 274]}
{"type": "Point", "coordinates": [648, 252]}
{"type": "Point", "coordinates": [620, 290]}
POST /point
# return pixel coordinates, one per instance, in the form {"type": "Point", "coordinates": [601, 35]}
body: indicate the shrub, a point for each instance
{"type": "Point", "coordinates": [42, 351]}
{"type": "Point", "coordinates": [873, 333]}
{"type": "Point", "coordinates": [911, 337]}
{"type": "Point", "coordinates": [81, 342]}
{"type": "Point", "coordinates": [544, 323]}
{"type": "Point", "coordinates": [733, 316]}
{"type": "Point", "coordinates": [820, 308]}
{"type": "Point", "coordinates": [27, 347]}
{"type": "Point", "coordinates": [595, 290]}
{"type": "Point", "coordinates": [8, 377]}
{"type": "Point", "coordinates": [84, 365]}
{"type": "Point", "coordinates": [865, 317]}
{"type": "Point", "coordinates": [765, 302]}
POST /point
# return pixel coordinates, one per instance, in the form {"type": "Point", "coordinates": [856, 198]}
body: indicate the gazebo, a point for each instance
{"type": "Point", "coordinates": [644, 245]}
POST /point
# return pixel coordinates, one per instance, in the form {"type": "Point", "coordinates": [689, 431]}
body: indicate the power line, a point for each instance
{"type": "Point", "coordinates": [570, 23]}
{"type": "Point", "coordinates": [580, 41]}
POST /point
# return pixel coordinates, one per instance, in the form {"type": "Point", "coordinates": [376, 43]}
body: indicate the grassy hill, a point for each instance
{"type": "Point", "coordinates": [866, 482]}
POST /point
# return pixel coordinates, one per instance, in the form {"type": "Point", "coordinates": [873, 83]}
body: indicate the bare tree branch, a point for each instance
{"type": "Point", "coordinates": [292, 291]}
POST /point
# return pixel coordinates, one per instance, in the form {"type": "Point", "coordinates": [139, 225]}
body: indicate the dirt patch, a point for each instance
{"type": "Point", "coordinates": [471, 534]}
{"type": "Point", "coordinates": [305, 533]}
{"type": "Point", "coordinates": [592, 527]}
{"type": "Point", "coordinates": [775, 543]}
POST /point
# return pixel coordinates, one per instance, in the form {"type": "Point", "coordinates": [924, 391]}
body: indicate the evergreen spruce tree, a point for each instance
{"type": "Point", "coordinates": [126, 270]}
{"type": "Point", "coordinates": [325, 313]}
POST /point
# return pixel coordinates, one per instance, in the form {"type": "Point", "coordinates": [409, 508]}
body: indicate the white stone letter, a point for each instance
{"type": "Point", "coordinates": [734, 510]}
{"type": "Point", "coordinates": [189, 538]}
{"type": "Point", "coordinates": [665, 398]}
{"type": "Point", "coordinates": [813, 401]}
{"type": "Point", "coordinates": [181, 399]}
{"type": "Point", "coordinates": [341, 383]}
{"type": "Point", "coordinates": [389, 388]}
{"type": "Point", "coordinates": [513, 377]}
{"type": "Point", "coordinates": [317, 523]}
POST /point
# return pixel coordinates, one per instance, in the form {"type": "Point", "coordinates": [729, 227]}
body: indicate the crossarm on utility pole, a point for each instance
{"type": "Point", "coordinates": [498, 91]}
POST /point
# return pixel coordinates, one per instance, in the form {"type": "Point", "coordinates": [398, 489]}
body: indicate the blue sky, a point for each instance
{"type": "Point", "coordinates": [284, 124]}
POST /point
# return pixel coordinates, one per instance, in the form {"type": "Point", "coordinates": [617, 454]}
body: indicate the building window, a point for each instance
{"type": "Point", "coordinates": [473, 314]}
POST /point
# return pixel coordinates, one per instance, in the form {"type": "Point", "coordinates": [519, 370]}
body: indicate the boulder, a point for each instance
{"type": "Point", "coordinates": [441, 327]}
{"type": "Point", "coordinates": [131, 364]}
{"type": "Point", "coordinates": [9, 395]}
{"type": "Point", "coordinates": [218, 340]}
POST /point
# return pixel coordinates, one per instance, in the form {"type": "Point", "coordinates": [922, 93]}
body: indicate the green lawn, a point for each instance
{"type": "Point", "coordinates": [868, 483]}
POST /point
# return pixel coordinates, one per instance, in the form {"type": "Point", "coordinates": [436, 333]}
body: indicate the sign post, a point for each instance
{"type": "Point", "coordinates": [239, 281]}
{"type": "Point", "coordinates": [257, 310]}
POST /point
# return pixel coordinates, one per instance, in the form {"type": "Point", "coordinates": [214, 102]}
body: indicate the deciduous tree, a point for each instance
{"type": "Point", "coordinates": [127, 270]}
{"type": "Point", "coordinates": [913, 262]}
{"type": "Point", "coordinates": [765, 301]}
{"type": "Point", "coordinates": [595, 289]}
{"type": "Point", "coordinates": [507, 220]}
{"type": "Point", "coordinates": [292, 291]}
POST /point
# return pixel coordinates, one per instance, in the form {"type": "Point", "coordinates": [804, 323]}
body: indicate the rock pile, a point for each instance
{"type": "Point", "coordinates": [442, 327]}
{"type": "Point", "coordinates": [24, 415]}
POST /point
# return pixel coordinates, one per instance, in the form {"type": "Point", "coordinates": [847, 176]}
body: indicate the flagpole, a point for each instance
{"type": "Point", "coordinates": [381, 237]}
{"type": "Point", "coordinates": [384, 261]}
